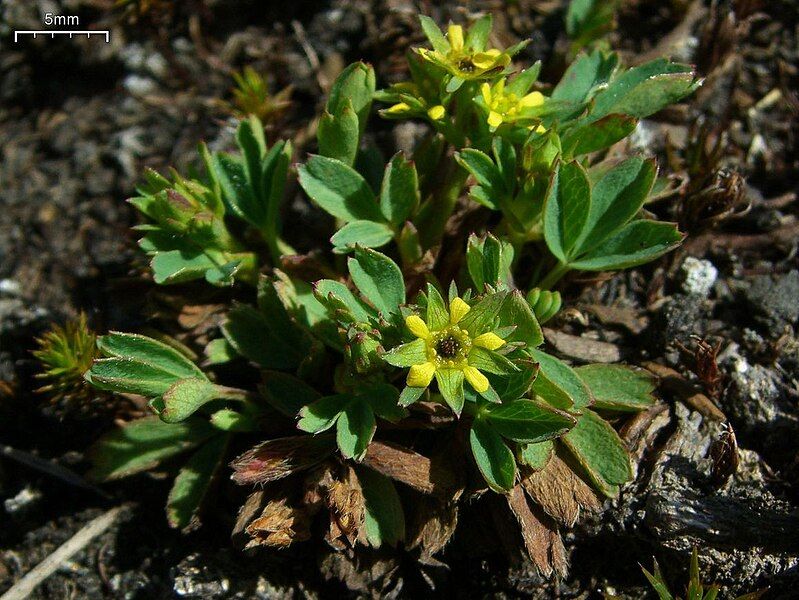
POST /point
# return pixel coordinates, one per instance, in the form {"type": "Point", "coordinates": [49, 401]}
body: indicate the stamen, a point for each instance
{"type": "Point", "coordinates": [448, 347]}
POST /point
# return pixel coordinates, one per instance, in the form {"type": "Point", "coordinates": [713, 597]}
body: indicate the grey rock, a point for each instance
{"type": "Point", "coordinates": [744, 530]}
{"type": "Point", "coordinates": [775, 301]}
{"type": "Point", "coordinates": [681, 316]}
{"type": "Point", "coordinates": [194, 579]}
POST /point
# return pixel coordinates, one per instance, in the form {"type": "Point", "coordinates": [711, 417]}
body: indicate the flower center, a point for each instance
{"type": "Point", "coordinates": [448, 347]}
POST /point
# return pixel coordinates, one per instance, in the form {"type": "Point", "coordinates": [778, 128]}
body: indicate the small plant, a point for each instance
{"type": "Point", "coordinates": [251, 97]}
{"type": "Point", "coordinates": [65, 354]}
{"type": "Point", "coordinates": [365, 366]}
{"type": "Point", "coordinates": [695, 590]}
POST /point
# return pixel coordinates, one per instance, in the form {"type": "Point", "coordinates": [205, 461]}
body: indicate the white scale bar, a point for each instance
{"type": "Point", "coordinates": [52, 33]}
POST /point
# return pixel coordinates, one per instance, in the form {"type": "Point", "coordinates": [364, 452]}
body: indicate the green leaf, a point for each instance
{"type": "Point", "coordinates": [557, 374]}
{"type": "Point", "coordinates": [515, 385]}
{"type": "Point", "coordinates": [366, 233]}
{"type": "Point", "coordinates": [490, 188]}
{"type": "Point", "coordinates": [494, 459]}
{"type": "Point", "coordinates": [587, 74]}
{"type": "Point", "coordinates": [140, 348]}
{"type": "Point", "coordinates": [287, 394]}
{"type": "Point", "coordinates": [338, 134]}
{"type": "Point", "coordinates": [517, 312]}
{"type": "Point", "coordinates": [143, 444]}
{"type": "Point", "coordinates": [129, 377]}
{"type": "Point", "coordinates": [383, 399]}
{"type": "Point", "coordinates": [339, 189]}
{"type": "Point", "coordinates": [437, 313]}
{"type": "Point", "coordinates": [354, 85]}
{"type": "Point", "coordinates": [185, 397]}
{"type": "Point", "coordinates": [231, 174]}
{"type": "Point", "coordinates": [219, 351]}
{"type": "Point", "coordinates": [483, 313]}
{"type": "Point", "coordinates": [355, 428]}
{"type": "Point", "coordinates": [179, 266]}
{"type": "Point", "coordinates": [536, 456]}
{"type": "Point", "coordinates": [600, 451]}
{"type": "Point", "coordinates": [588, 20]}
{"type": "Point", "coordinates": [407, 355]}
{"type": "Point", "coordinates": [644, 90]}
{"type": "Point", "coordinates": [399, 193]}
{"type": "Point", "coordinates": [233, 421]}
{"type": "Point", "coordinates": [528, 421]}
{"type": "Point", "coordinates": [450, 384]}
{"type": "Point", "coordinates": [252, 143]}
{"type": "Point", "coordinates": [618, 387]}
{"type": "Point", "coordinates": [262, 339]}
{"type": "Point", "coordinates": [324, 289]}
{"type": "Point", "coordinates": [409, 395]}
{"type": "Point", "coordinates": [566, 210]}
{"type": "Point", "coordinates": [193, 482]}
{"type": "Point", "coordinates": [636, 243]}
{"type": "Point", "coordinates": [597, 135]}
{"type": "Point", "coordinates": [477, 34]}
{"type": "Point", "coordinates": [615, 199]}
{"type": "Point", "coordinates": [274, 173]}
{"type": "Point", "coordinates": [491, 362]}
{"type": "Point", "coordinates": [384, 519]}
{"type": "Point", "coordinates": [378, 278]}
{"type": "Point", "coordinates": [322, 414]}
{"type": "Point", "coordinates": [433, 33]}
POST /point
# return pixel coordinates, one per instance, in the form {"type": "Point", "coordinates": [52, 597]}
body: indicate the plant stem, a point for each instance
{"type": "Point", "coordinates": [551, 278]}
{"type": "Point", "coordinates": [433, 217]}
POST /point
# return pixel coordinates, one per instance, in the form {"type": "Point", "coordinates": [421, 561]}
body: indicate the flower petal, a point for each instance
{"type": "Point", "coordinates": [457, 310]}
{"type": "Point", "coordinates": [421, 375]}
{"type": "Point", "coordinates": [476, 379]}
{"type": "Point", "coordinates": [532, 99]}
{"type": "Point", "coordinates": [398, 109]}
{"type": "Point", "coordinates": [417, 326]}
{"type": "Point", "coordinates": [455, 37]}
{"type": "Point", "coordinates": [485, 90]}
{"type": "Point", "coordinates": [436, 112]}
{"type": "Point", "coordinates": [494, 119]}
{"type": "Point", "coordinates": [491, 341]}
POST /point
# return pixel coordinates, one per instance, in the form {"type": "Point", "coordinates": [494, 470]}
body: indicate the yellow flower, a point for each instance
{"type": "Point", "coordinates": [462, 61]}
{"type": "Point", "coordinates": [508, 107]}
{"type": "Point", "coordinates": [449, 349]}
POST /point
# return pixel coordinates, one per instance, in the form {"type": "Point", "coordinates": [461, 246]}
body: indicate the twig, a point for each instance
{"type": "Point", "coordinates": [51, 468]}
{"type": "Point", "coordinates": [25, 586]}
{"type": "Point", "coordinates": [310, 53]}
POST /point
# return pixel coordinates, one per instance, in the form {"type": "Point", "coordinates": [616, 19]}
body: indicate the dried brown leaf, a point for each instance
{"type": "Point", "coordinates": [280, 458]}
{"type": "Point", "coordinates": [413, 469]}
{"type": "Point", "coordinates": [433, 524]}
{"type": "Point", "coordinates": [541, 539]}
{"type": "Point", "coordinates": [583, 348]}
{"type": "Point", "coordinates": [347, 509]}
{"type": "Point", "coordinates": [279, 525]}
{"type": "Point", "coordinates": [247, 513]}
{"type": "Point", "coordinates": [560, 492]}
{"type": "Point", "coordinates": [622, 316]}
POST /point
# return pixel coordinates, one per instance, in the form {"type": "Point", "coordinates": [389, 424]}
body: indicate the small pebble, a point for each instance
{"type": "Point", "coordinates": [699, 275]}
{"type": "Point", "coordinates": [10, 287]}
{"type": "Point", "coordinates": [23, 501]}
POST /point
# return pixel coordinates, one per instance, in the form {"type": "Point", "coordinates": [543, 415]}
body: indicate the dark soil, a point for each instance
{"type": "Point", "coordinates": [80, 119]}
